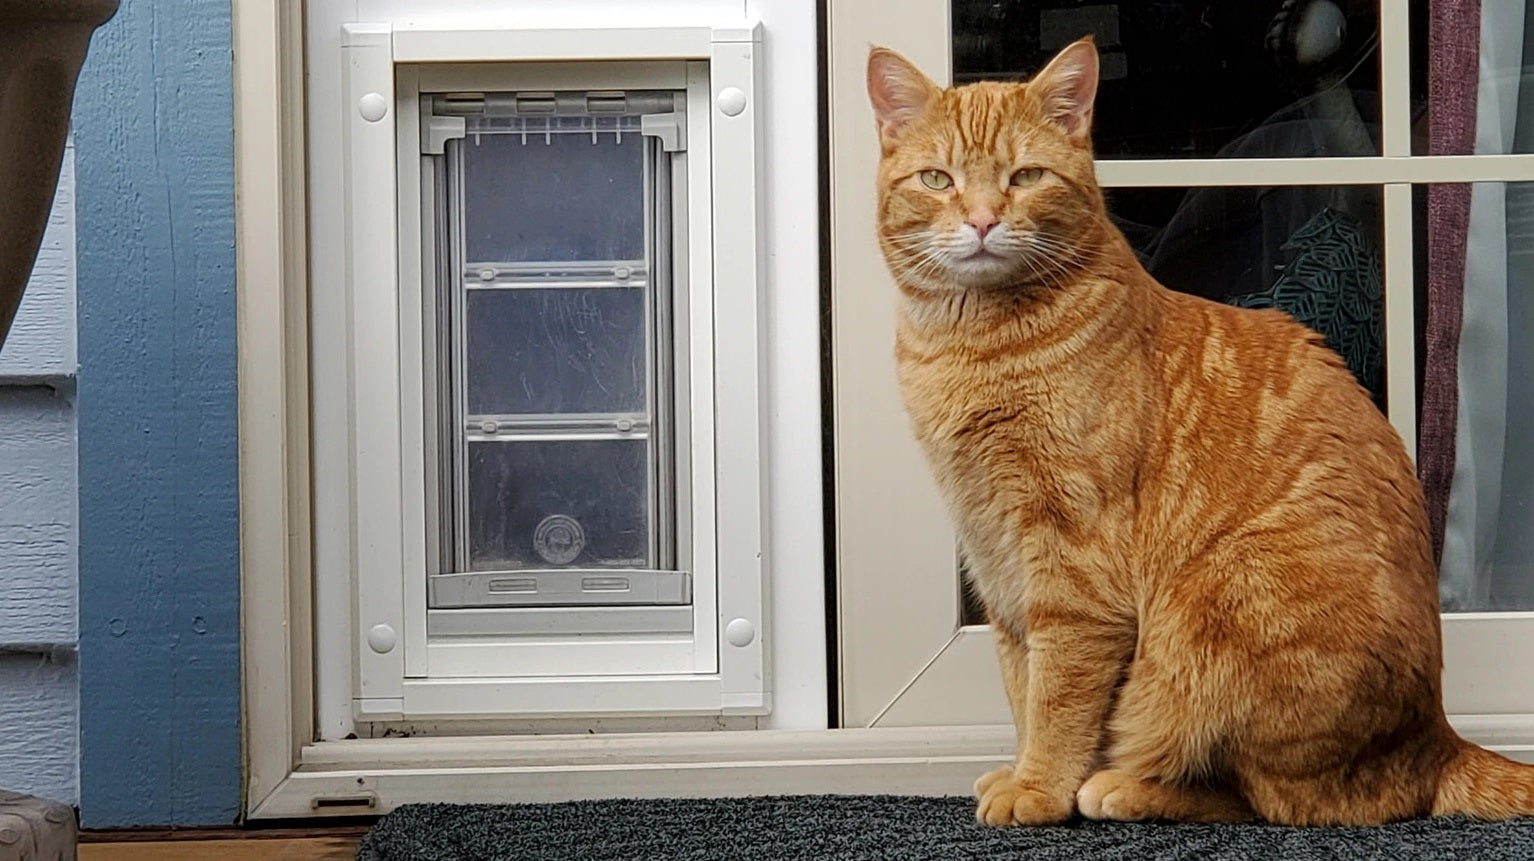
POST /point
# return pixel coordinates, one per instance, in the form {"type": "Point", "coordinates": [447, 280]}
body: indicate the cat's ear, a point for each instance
{"type": "Point", "coordinates": [1067, 86]}
{"type": "Point", "coordinates": [899, 91]}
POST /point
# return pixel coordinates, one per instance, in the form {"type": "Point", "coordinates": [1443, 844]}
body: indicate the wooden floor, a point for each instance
{"type": "Point", "coordinates": [333, 845]}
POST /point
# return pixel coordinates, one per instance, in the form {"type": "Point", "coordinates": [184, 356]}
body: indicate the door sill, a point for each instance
{"type": "Point", "coordinates": [373, 776]}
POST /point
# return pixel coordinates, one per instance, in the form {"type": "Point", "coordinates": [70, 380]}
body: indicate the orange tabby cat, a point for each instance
{"type": "Point", "coordinates": [1201, 547]}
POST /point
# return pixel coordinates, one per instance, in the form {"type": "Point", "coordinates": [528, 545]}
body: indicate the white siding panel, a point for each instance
{"type": "Point", "coordinates": [40, 711]}
{"type": "Point", "coordinates": [39, 694]}
{"type": "Point", "coordinates": [41, 344]}
{"type": "Point", "coordinates": [37, 518]}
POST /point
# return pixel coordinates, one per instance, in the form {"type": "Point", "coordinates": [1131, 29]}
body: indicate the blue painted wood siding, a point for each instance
{"type": "Point", "coordinates": [159, 529]}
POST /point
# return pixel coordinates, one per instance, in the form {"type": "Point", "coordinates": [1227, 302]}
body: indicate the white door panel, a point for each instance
{"type": "Point", "coordinates": [896, 588]}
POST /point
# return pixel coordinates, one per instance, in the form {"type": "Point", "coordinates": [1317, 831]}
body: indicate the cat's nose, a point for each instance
{"type": "Point", "coordinates": [982, 222]}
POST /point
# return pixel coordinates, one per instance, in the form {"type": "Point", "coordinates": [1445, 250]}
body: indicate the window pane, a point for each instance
{"type": "Point", "coordinates": [556, 350]}
{"type": "Point", "coordinates": [1473, 77]}
{"type": "Point", "coordinates": [558, 504]}
{"type": "Point", "coordinates": [562, 196]}
{"type": "Point", "coordinates": [1478, 277]}
{"type": "Point", "coordinates": [1312, 251]}
{"type": "Point", "coordinates": [1191, 78]}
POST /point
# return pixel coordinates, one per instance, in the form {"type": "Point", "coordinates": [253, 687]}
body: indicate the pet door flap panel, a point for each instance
{"type": "Point", "coordinates": [558, 194]}
{"type": "Point", "coordinates": [555, 387]}
{"type": "Point", "coordinates": [556, 351]}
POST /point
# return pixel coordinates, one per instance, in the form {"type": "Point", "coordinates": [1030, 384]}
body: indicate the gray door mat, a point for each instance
{"type": "Point", "coordinates": [885, 828]}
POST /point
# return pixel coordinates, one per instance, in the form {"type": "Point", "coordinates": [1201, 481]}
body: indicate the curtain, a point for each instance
{"type": "Point", "coordinates": [1478, 470]}
{"type": "Point", "coordinates": [1453, 53]}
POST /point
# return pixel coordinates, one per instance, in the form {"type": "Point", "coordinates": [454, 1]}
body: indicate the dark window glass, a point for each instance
{"type": "Point", "coordinates": [1198, 78]}
{"type": "Point", "coordinates": [1312, 251]}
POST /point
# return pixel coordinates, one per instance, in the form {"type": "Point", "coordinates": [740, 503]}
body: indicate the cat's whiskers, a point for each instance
{"type": "Point", "coordinates": [923, 257]}
{"type": "Point", "coordinates": [916, 237]}
{"type": "Point", "coordinates": [1043, 268]}
{"type": "Point", "coordinates": [1051, 260]}
{"type": "Point", "coordinates": [1043, 252]}
{"type": "Point", "coordinates": [919, 262]}
{"type": "Point", "coordinates": [928, 258]}
{"type": "Point", "coordinates": [1055, 245]}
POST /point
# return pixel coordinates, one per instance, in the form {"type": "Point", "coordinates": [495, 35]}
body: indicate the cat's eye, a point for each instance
{"type": "Point", "coordinates": [1027, 176]}
{"type": "Point", "coordinates": [936, 180]}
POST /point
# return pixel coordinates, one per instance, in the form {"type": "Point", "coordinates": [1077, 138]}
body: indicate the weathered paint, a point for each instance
{"type": "Point", "coordinates": [159, 562]}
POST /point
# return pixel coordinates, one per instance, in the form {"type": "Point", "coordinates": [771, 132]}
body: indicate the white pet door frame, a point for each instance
{"type": "Point", "coordinates": [580, 535]}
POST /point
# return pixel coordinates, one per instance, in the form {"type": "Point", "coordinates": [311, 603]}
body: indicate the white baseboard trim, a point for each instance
{"type": "Point", "coordinates": [1502, 733]}
{"type": "Point", "coordinates": [372, 776]}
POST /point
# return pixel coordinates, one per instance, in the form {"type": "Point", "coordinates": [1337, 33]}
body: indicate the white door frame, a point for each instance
{"type": "Point", "coordinates": [272, 333]}
{"type": "Point", "coordinates": [289, 775]}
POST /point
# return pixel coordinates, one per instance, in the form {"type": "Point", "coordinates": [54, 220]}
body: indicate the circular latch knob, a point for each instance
{"type": "Point", "coordinates": [559, 539]}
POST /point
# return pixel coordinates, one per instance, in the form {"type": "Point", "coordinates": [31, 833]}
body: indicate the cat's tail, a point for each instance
{"type": "Point", "coordinates": [1479, 783]}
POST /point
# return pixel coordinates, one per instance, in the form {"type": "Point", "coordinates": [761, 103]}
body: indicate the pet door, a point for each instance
{"type": "Point", "coordinates": [552, 260]}
{"type": "Point", "coordinates": [555, 394]}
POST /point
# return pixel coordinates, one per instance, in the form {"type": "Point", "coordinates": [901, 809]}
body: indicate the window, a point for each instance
{"type": "Point", "coordinates": [556, 372]}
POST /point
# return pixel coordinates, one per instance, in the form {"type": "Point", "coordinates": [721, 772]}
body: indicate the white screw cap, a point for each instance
{"type": "Point", "coordinates": [382, 639]}
{"type": "Point", "coordinates": [740, 632]}
{"type": "Point", "coordinates": [731, 101]}
{"type": "Point", "coordinates": [373, 107]}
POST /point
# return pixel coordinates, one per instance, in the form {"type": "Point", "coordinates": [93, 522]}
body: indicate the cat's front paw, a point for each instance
{"type": "Point", "coordinates": [990, 778]}
{"type": "Point", "coordinates": [1006, 800]}
{"type": "Point", "coordinates": [1110, 795]}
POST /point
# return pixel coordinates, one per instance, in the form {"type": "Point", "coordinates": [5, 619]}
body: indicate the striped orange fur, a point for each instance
{"type": "Point", "coordinates": [1202, 549]}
